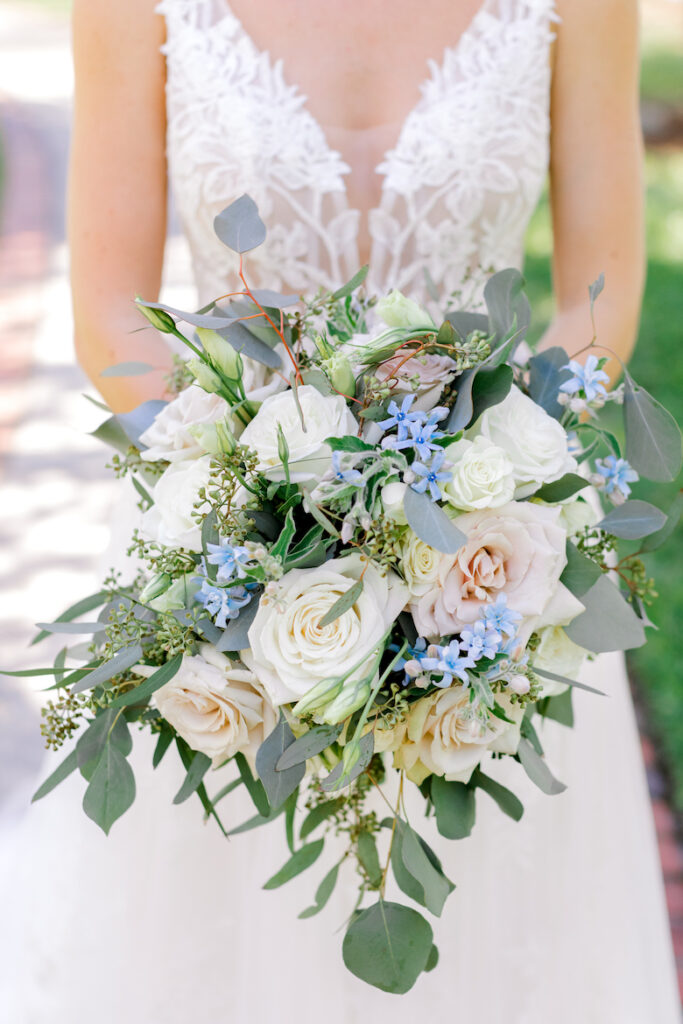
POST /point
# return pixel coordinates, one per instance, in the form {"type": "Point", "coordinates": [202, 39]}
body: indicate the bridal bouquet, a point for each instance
{"type": "Point", "coordinates": [374, 550]}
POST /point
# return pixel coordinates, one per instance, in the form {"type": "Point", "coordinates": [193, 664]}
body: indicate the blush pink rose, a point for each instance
{"type": "Point", "coordinates": [430, 372]}
{"type": "Point", "coordinates": [517, 550]}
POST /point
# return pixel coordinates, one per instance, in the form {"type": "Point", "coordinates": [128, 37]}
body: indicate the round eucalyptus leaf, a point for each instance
{"type": "Point", "coordinates": [388, 946]}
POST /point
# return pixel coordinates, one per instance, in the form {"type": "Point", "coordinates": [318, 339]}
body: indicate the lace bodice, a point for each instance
{"type": "Point", "coordinates": [458, 188]}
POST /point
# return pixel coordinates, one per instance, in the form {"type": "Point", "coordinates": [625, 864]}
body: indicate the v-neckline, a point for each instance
{"type": "Point", "coordinates": [433, 67]}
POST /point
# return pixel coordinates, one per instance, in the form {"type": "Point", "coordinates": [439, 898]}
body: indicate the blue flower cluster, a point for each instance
{"type": "Point", "coordinates": [490, 635]}
{"type": "Point", "coordinates": [419, 432]}
{"type": "Point", "coordinates": [617, 474]}
{"type": "Point", "coordinates": [345, 476]}
{"type": "Point", "coordinates": [222, 603]}
{"type": "Point", "coordinates": [231, 560]}
{"type": "Point", "coordinates": [588, 380]}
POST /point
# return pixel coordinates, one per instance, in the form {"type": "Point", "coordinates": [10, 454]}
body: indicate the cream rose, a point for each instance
{"type": "Point", "coordinates": [517, 550]}
{"type": "Point", "coordinates": [482, 475]}
{"type": "Point", "coordinates": [323, 416]}
{"type": "Point", "coordinates": [557, 653]}
{"type": "Point", "coordinates": [392, 496]}
{"type": "Point", "coordinates": [169, 436]}
{"type": "Point", "coordinates": [169, 521]}
{"type": "Point", "coordinates": [419, 565]}
{"type": "Point", "coordinates": [290, 652]}
{"type": "Point", "coordinates": [446, 734]}
{"type": "Point", "coordinates": [534, 442]}
{"type": "Point", "coordinates": [424, 375]}
{"type": "Point", "coordinates": [216, 706]}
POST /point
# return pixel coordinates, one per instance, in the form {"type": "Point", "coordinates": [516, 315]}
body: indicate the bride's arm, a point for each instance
{"type": "Point", "coordinates": [117, 192]}
{"type": "Point", "coordinates": [596, 175]}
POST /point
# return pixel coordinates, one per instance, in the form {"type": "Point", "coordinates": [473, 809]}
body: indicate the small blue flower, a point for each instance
{"type": "Point", "coordinates": [500, 618]}
{"type": "Point", "coordinates": [617, 474]}
{"type": "Point", "coordinates": [232, 561]}
{"type": "Point", "coordinates": [422, 438]}
{"type": "Point", "coordinates": [431, 475]}
{"type": "Point", "coordinates": [222, 603]}
{"type": "Point", "coordinates": [587, 378]}
{"type": "Point", "coordinates": [401, 416]}
{"type": "Point", "coordinates": [480, 641]}
{"type": "Point", "coordinates": [452, 663]}
{"type": "Point", "coordinates": [345, 476]}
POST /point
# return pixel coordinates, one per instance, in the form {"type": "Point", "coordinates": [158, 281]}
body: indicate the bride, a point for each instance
{"type": "Point", "coordinates": [411, 137]}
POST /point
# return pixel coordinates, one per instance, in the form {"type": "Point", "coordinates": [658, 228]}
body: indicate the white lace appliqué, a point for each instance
{"type": "Point", "coordinates": [458, 188]}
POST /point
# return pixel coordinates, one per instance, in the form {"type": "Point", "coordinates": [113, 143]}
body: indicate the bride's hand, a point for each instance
{"type": "Point", "coordinates": [117, 193]}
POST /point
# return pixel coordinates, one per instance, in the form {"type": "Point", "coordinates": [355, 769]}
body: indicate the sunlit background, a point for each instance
{"type": "Point", "coordinates": [55, 492]}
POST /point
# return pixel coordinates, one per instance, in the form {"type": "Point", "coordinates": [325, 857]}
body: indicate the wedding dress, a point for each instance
{"type": "Point", "coordinates": [559, 918]}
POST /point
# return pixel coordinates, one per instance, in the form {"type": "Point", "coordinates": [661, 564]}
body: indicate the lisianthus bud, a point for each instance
{"type": "Point", "coordinates": [398, 311]}
{"type": "Point", "coordinates": [221, 353]}
{"type": "Point", "coordinates": [519, 684]}
{"type": "Point", "coordinates": [351, 697]}
{"type": "Point", "coordinates": [392, 501]}
{"type": "Point", "coordinates": [226, 438]}
{"type": "Point", "coordinates": [339, 370]}
{"type": "Point", "coordinates": [179, 595]}
{"type": "Point", "coordinates": [204, 375]}
{"type": "Point", "coordinates": [156, 586]}
{"type": "Point", "coordinates": [318, 697]}
{"type": "Point", "coordinates": [158, 318]}
{"type": "Point", "coordinates": [207, 437]}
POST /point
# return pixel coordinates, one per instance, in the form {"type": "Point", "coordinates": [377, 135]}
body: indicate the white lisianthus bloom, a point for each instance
{"type": "Point", "coordinates": [216, 706]}
{"type": "Point", "coordinates": [576, 515]}
{"type": "Point", "coordinates": [518, 550]}
{"type": "Point", "coordinates": [260, 382]}
{"type": "Point", "coordinates": [290, 652]}
{"type": "Point", "coordinates": [482, 475]}
{"type": "Point", "coordinates": [419, 565]}
{"type": "Point", "coordinates": [323, 416]}
{"type": "Point", "coordinates": [446, 734]}
{"type": "Point", "coordinates": [534, 442]}
{"type": "Point", "coordinates": [396, 310]}
{"type": "Point", "coordinates": [557, 653]}
{"type": "Point", "coordinates": [169, 521]}
{"type": "Point", "coordinates": [392, 496]}
{"type": "Point", "coordinates": [169, 436]}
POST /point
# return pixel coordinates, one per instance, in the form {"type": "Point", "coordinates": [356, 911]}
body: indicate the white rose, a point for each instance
{"type": "Point", "coordinates": [323, 415]}
{"type": "Point", "coordinates": [419, 565]}
{"type": "Point", "coordinates": [169, 436]}
{"type": "Point", "coordinates": [216, 706]}
{"type": "Point", "coordinates": [557, 653]}
{"type": "Point", "coordinates": [518, 550]}
{"type": "Point", "coordinates": [290, 652]}
{"type": "Point", "coordinates": [259, 381]}
{"type": "Point", "coordinates": [392, 496]}
{"type": "Point", "coordinates": [169, 521]}
{"type": "Point", "coordinates": [445, 734]}
{"type": "Point", "coordinates": [534, 442]}
{"type": "Point", "coordinates": [396, 310]}
{"type": "Point", "coordinates": [482, 475]}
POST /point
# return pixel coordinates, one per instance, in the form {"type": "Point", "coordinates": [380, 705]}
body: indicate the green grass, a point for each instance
{"type": "Point", "coordinates": [658, 366]}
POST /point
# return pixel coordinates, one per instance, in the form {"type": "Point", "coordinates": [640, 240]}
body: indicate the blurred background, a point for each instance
{"type": "Point", "coordinates": [55, 492]}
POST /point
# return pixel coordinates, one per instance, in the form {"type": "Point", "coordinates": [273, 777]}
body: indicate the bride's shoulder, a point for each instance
{"type": "Point", "coordinates": [589, 30]}
{"type": "Point", "coordinates": [133, 24]}
{"type": "Point", "coordinates": [592, 15]}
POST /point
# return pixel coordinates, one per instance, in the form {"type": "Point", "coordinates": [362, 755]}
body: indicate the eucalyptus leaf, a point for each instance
{"type": "Point", "coordinates": [595, 289]}
{"type": "Point", "coordinates": [369, 858]}
{"type": "Point", "coordinates": [318, 380]}
{"type": "Point", "coordinates": [323, 893]}
{"type": "Point", "coordinates": [505, 798]}
{"type": "Point", "coordinates": [72, 627]}
{"type": "Point", "coordinates": [461, 413]}
{"type": "Point", "coordinates": [507, 305]}
{"type": "Point", "coordinates": [388, 946]}
{"type": "Point", "coordinates": [164, 741]}
{"type": "Point", "coordinates": [112, 433]}
{"type": "Point", "coordinates": [432, 960]}
{"type": "Point", "coordinates": [304, 857]}
{"type": "Point", "coordinates": [537, 769]}
{"type": "Point", "coordinates": [130, 369]}
{"type": "Point", "coordinates": [655, 540]}
{"type": "Point", "coordinates": [546, 375]}
{"type": "Point", "coordinates": [568, 682]}
{"type": "Point", "coordinates": [275, 300]}
{"type": "Point", "coordinates": [342, 604]}
{"type": "Point", "coordinates": [63, 771]}
{"type": "Point", "coordinates": [580, 572]}
{"type": "Point", "coordinates": [281, 546]}
{"type": "Point", "coordinates": [317, 739]}
{"type": "Point", "coordinates": [196, 772]}
{"type": "Point", "coordinates": [560, 490]}
{"type": "Point", "coordinates": [235, 636]}
{"type": "Point", "coordinates": [559, 709]}
{"type": "Point", "coordinates": [137, 421]}
{"type": "Point", "coordinates": [257, 821]}
{"type": "Point", "coordinates": [111, 789]}
{"type": "Point", "coordinates": [335, 780]}
{"type": "Point", "coordinates": [349, 444]}
{"type": "Point", "coordinates": [465, 322]}
{"type": "Point", "coordinates": [108, 727]}
{"type": "Point", "coordinates": [253, 786]}
{"type": "Point", "coordinates": [239, 226]}
{"type": "Point", "coordinates": [87, 604]}
{"type": "Point", "coordinates": [121, 662]}
{"type": "Point", "coordinates": [209, 320]}
{"type": "Point", "coordinates": [431, 524]}
{"type": "Point", "coordinates": [633, 520]}
{"type": "Point", "coordinates": [243, 341]}
{"type": "Point", "coordinates": [153, 683]}
{"type": "Point", "coordinates": [653, 439]}
{"type": "Point", "coordinates": [319, 814]}
{"type": "Point", "coordinates": [608, 623]}
{"type": "Point", "coordinates": [435, 886]}
{"type": "Point", "coordinates": [278, 784]}
{"type": "Point", "coordinates": [454, 803]}
{"type": "Point", "coordinates": [350, 286]}
{"type": "Point", "coordinates": [490, 387]}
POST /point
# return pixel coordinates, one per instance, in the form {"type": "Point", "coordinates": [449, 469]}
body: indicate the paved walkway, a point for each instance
{"type": "Point", "coordinates": [53, 530]}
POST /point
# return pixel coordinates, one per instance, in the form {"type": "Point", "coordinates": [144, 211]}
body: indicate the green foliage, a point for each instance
{"type": "Point", "coordinates": [388, 946]}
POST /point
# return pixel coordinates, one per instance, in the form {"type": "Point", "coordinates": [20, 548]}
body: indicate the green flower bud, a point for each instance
{"type": "Point", "coordinates": [205, 376]}
{"type": "Point", "coordinates": [339, 370]}
{"type": "Point", "coordinates": [221, 353]}
{"type": "Point", "coordinates": [350, 698]}
{"type": "Point", "coordinates": [158, 318]}
{"type": "Point", "coordinates": [398, 311]}
{"type": "Point", "coordinates": [226, 439]}
{"type": "Point", "coordinates": [318, 697]}
{"type": "Point", "coordinates": [206, 435]}
{"type": "Point", "coordinates": [178, 596]}
{"type": "Point", "coordinates": [323, 346]}
{"type": "Point", "coordinates": [156, 586]}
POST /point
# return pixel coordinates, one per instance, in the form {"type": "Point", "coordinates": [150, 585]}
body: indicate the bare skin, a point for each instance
{"type": "Point", "coordinates": [117, 208]}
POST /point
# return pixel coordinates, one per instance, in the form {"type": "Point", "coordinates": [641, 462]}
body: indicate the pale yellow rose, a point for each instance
{"type": "Point", "coordinates": [419, 565]}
